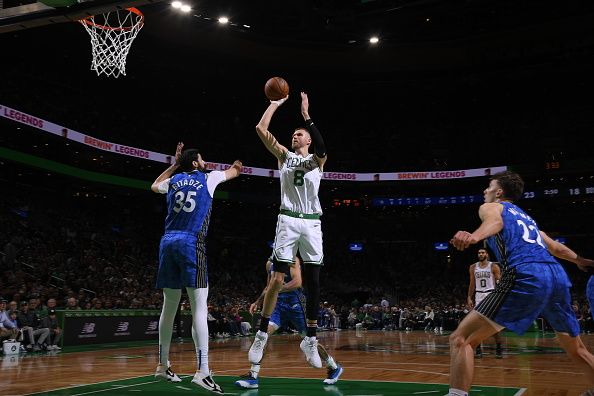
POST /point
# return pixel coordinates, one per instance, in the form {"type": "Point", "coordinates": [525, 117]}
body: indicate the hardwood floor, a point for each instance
{"type": "Point", "coordinates": [535, 363]}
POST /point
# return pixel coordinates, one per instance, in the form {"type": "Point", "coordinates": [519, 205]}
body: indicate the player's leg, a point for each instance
{"type": "Point", "coordinates": [270, 299]}
{"type": "Point", "coordinates": [578, 352]}
{"type": "Point", "coordinates": [171, 298]}
{"type": "Point", "coordinates": [285, 248]}
{"type": "Point", "coordinates": [251, 380]}
{"type": "Point", "coordinates": [473, 329]}
{"type": "Point", "coordinates": [199, 307]}
{"type": "Point", "coordinates": [478, 297]}
{"type": "Point", "coordinates": [198, 302]}
{"type": "Point", "coordinates": [311, 250]}
{"type": "Point", "coordinates": [195, 280]}
{"type": "Point", "coordinates": [168, 279]}
{"type": "Point", "coordinates": [334, 369]}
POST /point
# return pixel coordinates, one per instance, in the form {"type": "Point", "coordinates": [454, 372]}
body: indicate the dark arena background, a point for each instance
{"type": "Point", "coordinates": [414, 123]}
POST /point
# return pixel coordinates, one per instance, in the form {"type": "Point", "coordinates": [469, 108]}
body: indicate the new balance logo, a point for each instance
{"type": "Point", "coordinates": [122, 326]}
{"type": "Point", "coordinates": [122, 329]}
{"type": "Point", "coordinates": [88, 331]}
{"type": "Point", "coordinates": [152, 327]}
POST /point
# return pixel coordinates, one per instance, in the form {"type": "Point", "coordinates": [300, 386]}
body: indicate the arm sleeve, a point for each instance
{"type": "Point", "coordinates": [163, 187]}
{"type": "Point", "coordinates": [213, 179]}
{"type": "Point", "coordinates": [316, 138]}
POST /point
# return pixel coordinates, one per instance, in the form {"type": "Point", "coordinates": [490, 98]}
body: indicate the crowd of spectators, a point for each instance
{"type": "Point", "coordinates": [65, 254]}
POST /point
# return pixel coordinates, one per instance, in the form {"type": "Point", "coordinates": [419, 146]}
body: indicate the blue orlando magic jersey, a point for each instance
{"type": "Point", "coordinates": [188, 203]}
{"type": "Point", "coordinates": [519, 241]}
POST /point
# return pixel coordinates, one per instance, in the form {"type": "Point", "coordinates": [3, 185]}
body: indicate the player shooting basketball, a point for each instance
{"type": "Point", "coordinates": [299, 226]}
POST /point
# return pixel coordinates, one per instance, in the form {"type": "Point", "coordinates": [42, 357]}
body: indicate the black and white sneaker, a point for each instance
{"type": "Point", "coordinates": [206, 382]}
{"type": "Point", "coordinates": [166, 374]}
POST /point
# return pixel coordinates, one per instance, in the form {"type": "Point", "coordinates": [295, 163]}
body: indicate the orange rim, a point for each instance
{"type": "Point", "coordinates": [133, 10]}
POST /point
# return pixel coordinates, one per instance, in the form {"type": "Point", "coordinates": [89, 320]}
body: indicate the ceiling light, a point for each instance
{"type": "Point", "coordinates": [374, 40]}
{"type": "Point", "coordinates": [223, 20]}
{"type": "Point", "coordinates": [176, 4]}
{"type": "Point", "coordinates": [186, 8]}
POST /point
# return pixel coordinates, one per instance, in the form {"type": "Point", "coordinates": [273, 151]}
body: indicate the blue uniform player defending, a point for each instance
{"type": "Point", "coordinates": [532, 283]}
{"type": "Point", "coordinates": [289, 308]}
{"type": "Point", "coordinates": [182, 255]}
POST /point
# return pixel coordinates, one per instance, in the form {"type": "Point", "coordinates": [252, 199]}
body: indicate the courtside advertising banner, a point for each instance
{"type": "Point", "coordinates": [116, 148]}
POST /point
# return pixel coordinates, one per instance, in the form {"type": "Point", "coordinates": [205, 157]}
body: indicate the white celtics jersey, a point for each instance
{"type": "Point", "coordinates": [484, 279]}
{"type": "Point", "coordinates": [300, 182]}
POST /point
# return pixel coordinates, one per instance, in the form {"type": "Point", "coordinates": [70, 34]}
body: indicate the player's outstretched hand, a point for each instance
{"type": "Point", "coordinates": [304, 103]}
{"type": "Point", "coordinates": [462, 240]}
{"type": "Point", "coordinates": [470, 303]}
{"type": "Point", "coordinates": [253, 308]}
{"type": "Point", "coordinates": [178, 152]}
{"type": "Point", "coordinates": [280, 101]}
{"type": "Point", "coordinates": [237, 164]}
{"type": "Point", "coordinates": [585, 264]}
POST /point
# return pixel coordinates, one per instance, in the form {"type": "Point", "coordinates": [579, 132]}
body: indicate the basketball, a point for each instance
{"type": "Point", "coordinates": [276, 88]}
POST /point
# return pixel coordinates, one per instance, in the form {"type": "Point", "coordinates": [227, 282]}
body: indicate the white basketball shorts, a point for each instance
{"type": "Point", "coordinates": [294, 234]}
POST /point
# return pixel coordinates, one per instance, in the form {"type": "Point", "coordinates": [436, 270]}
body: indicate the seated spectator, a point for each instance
{"type": "Point", "coordinates": [72, 304]}
{"type": "Point", "coordinates": [55, 332]}
{"type": "Point", "coordinates": [28, 322]}
{"type": "Point", "coordinates": [8, 329]}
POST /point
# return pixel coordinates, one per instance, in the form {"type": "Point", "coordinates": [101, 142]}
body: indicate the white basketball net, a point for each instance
{"type": "Point", "coordinates": [112, 35]}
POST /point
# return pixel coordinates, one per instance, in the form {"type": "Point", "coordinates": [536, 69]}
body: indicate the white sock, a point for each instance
{"type": "Point", "coordinates": [331, 363]}
{"type": "Point", "coordinates": [255, 370]}
{"type": "Point", "coordinates": [198, 303]}
{"type": "Point", "coordinates": [457, 392]}
{"type": "Point", "coordinates": [171, 299]}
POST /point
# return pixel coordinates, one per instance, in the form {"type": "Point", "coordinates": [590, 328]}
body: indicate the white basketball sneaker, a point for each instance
{"type": "Point", "coordinates": [257, 348]}
{"type": "Point", "coordinates": [309, 346]}
{"type": "Point", "coordinates": [206, 382]}
{"type": "Point", "coordinates": [164, 373]}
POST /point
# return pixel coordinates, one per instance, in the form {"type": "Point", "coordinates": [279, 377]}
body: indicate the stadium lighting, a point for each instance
{"type": "Point", "coordinates": [223, 20]}
{"type": "Point", "coordinates": [176, 4]}
{"type": "Point", "coordinates": [186, 8]}
{"type": "Point", "coordinates": [374, 40]}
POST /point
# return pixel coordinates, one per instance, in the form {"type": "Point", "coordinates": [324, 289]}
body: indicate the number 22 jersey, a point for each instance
{"type": "Point", "coordinates": [519, 241]}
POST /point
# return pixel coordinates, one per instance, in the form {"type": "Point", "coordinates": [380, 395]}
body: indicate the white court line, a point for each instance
{"type": "Point", "coordinates": [521, 392]}
{"type": "Point", "coordinates": [112, 389]}
{"type": "Point", "coordinates": [79, 385]}
{"type": "Point", "coordinates": [420, 393]}
{"type": "Point", "coordinates": [183, 387]}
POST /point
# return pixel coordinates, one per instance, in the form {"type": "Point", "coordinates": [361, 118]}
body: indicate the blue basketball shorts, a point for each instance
{"type": "Point", "coordinates": [528, 291]}
{"type": "Point", "coordinates": [288, 309]}
{"type": "Point", "coordinates": [182, 262]}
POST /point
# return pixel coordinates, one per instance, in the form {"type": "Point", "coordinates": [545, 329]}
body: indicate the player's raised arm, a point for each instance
{"type": "Point", "coordinates": [277, 149]}
{"type": "Point", "coordinates": [314, 132]}
{"type": "Point", "coordinates": [160, 185]}
{"type": "Point", "coordinates": [234, 171]}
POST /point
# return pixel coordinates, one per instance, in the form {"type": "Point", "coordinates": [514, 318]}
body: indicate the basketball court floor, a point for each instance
{"type": "Point", "coordinates": [375, 363]}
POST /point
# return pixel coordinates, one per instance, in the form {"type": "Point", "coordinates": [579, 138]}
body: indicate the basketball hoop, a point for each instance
{"type": "Point", "coordinates": [112, 35]}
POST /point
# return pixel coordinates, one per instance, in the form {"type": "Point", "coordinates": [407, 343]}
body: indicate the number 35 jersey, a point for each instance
{"type": "Point", "coordinates": [519, 241]}
{"type": "Point", "coordinates": [189, 200]}
{"type": "Point", "coordinates": [300, 182]}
